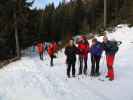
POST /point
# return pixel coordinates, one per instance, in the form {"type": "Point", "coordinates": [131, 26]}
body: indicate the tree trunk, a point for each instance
{"type": "Point", "coordinates": [16, 36]}
{"type": "Point", "coordinates": [105, 13]}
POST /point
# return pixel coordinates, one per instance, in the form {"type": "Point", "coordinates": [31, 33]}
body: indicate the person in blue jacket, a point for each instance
{"type": "Point", "coordinates": [96, 52]}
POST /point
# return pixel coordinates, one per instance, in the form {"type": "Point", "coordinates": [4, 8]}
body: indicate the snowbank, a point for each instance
{"type": "Point", "coordinates": [32, 79]}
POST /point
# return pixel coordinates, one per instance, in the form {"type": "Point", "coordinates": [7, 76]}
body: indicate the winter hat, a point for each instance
{"type": "Point", "coordinates": [105, 38]}
{"type": "Point", "coordinates": [83, 37]}
{"type": "Point", "coordinates": [94, 40]}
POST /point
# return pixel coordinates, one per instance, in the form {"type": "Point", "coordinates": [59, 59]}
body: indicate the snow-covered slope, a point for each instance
{"type": "Point", "coordinates": [32, 79]}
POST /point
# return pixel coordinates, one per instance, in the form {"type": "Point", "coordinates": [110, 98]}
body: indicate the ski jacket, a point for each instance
{"type": "Point", "coordinates": [51, 49]}
{"type": "Point", "coordinates": [40, 47]}
{"type": "Point", "coordinates": [84, 49]}
{"type": "Point", "coordinates": [55, 47]}
{"type": "Point", "coordinates": [70, 52]}
{"type": "Point", "coordinates": [97, 49]}
{"type": "Point", "coordinates": [111, 47]}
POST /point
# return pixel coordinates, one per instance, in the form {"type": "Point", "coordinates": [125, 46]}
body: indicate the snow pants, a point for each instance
{"type": "Point", "coordinates": [41, 56]}
{"type": "Point", "coordinates": [95, 60]}
{"type": "Point", "coordinates": [51, 59]}
{"type": "Point", "coordinates": [83, 62]}
{"type": "Point", "coordinates": [71, 65]}
{"type": "Point", "coordinates": [110, 62]}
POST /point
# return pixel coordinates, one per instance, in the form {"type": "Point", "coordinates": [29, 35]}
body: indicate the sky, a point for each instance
{"type": "Point", "coordinates": [43, 3]}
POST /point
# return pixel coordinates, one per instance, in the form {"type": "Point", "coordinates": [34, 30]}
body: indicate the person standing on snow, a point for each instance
{"type": "Point", "coordinates": [70, 52]}
{"type": "Point", "coordinates": [111, 48]}
{"type": "Point", "coordinates": [56, 48]}
{"type": "Point", "coordinates": [40, 49]}
{"type": "Point", "coordinates": [83, 47]}
{"type": "Point", "coordinates": [96, 52]}
{"type": "Point", "coordinates": [52, 49]}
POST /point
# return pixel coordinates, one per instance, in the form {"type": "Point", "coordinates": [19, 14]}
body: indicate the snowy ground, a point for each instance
{"type": "Point", "coordinates": [32, 79]}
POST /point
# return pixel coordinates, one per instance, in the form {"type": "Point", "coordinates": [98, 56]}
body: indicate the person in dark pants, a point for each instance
{"type": "Point", "coordinates": [51, 52]}
{"type": "Point", "coordinates": [83, 47]}
{"type": "Point", "coordinates": [70, 52]}
{"type": "Point", "coordinates": [52, 58]}
{"type": "Point", "coordinates": [96, 52]}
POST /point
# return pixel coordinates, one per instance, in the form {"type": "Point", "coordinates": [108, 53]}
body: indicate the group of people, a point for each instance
{"type": "Point", "coordinates": [51, 49]}
{"type": "Point", "coordinates": [95, 49]}
{"type": "Point", "coordinates": [82, 49]}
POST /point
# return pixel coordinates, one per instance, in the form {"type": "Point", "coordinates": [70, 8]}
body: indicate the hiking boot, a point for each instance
{"type": "Point", "coordinates": [85, 74]}
{"type": "Point", "coordinates": [80, 73]}
{"type": "Point", "coordinates": [111, 79]}
{"type": "Point", "coordinates": [68, 76]}
{"type": "Point", "coordinates": [73, 75]}
{"type": "Point", "coordinates": [107, 76]}
{"type": "Point", "coordinates": [92, 74]}
{"type": "Point", "coordinates": [97, 74]}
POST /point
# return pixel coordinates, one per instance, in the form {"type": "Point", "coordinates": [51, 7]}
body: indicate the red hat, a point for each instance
{"type": "Point", "coordinates": [83, 37]}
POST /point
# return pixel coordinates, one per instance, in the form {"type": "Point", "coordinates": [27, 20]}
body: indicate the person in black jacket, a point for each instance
{"type": "Point", "coordinates": [111, 48]}
{"type": "Point", "coordinates": [70, 52]}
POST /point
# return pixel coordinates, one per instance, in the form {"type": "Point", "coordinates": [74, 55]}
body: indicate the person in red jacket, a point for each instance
{"type": "Point", "coordinates": [40, 49]}
{"type": "Point", "coordinates": [55, 46]}
{"type": "Point", "coordinates": [83, 47]}
{"type": "Point", "coordinates": [51, 51]}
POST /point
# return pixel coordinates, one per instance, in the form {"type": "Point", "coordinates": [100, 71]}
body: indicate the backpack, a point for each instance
{"type": "Point", "coordinates": [114, 46]}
